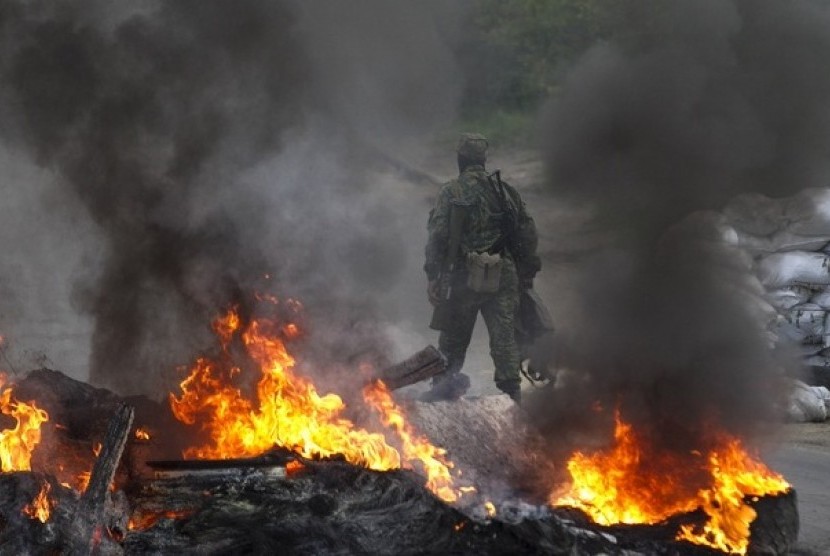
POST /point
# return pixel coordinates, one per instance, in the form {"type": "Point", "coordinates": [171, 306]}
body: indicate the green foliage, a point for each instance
{"type": "Point", "coordinates": [528, 42]}
{"type": "Point", "coordinates": [543, 34]}
{"type": "Point", "coordinates": [520, 50]}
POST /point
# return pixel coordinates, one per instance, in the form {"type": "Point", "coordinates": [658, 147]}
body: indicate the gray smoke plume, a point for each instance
{"type": "Point", "coordinates": [216, 143]}
{"type": "Point", "coordinates": [704, 100]}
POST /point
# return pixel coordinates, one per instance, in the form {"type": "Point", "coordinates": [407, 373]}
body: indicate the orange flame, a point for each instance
{"type": "Point", "coordinates": [225, 327]}
{"type": "Point", "coordinates": [82, 481]}
{"type": "Point", "coordinates": [41, 506]}
{"type": "Point", "coordinates": [293, 467]}
{"type": "Point", "coordinates": [18, 442]}
{"type": "Point", "coordinates": [287, 411]}
{"type": "Point", "coordinates": [142, 434]}
{"type": "Point", "coordinates": [632, 482]}
{"type": "Point", "coordinates": [736, 475]}
{"type": "Point", "coordinates": [145, 520]}
{"type": "Point", "coordinates": [415, 447]}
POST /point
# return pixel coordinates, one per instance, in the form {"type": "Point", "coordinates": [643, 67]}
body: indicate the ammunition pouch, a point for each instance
{"type": "Point", "coordinates": [484, 272]}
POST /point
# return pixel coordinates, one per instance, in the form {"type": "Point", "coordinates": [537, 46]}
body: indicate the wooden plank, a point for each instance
{"type": "Point", "coordinates": [197, 464]}
{"type": "Point", "coordinates": [423, 365]}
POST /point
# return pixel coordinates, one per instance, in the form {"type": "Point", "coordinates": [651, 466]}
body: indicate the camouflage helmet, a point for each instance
{"type": "Point", "coordinates": [472, 146]}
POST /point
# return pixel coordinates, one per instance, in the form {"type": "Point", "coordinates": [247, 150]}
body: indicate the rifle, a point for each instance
{"type": "Point", "coordinates": [458, 217]}
{"type": "Point", "coordinates": [510, 239]}
{"type": "Point", "coordinates": [511, 219]}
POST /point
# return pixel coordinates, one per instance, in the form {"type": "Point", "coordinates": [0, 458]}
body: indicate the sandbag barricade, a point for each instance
{"type": "Point", "coordinates": [789, 240]}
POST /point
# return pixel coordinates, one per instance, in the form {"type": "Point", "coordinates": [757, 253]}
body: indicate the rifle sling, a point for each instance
{"type": "Point", "coordinates": [503, 243]}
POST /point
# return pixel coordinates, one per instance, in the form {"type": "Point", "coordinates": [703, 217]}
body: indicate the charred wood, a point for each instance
{"type": "Point", "coordinates": [327, 507]}
{"type": "Point", "coordinates": [423, 365]}
{"type": "Point", "coordinates": [89, 516]}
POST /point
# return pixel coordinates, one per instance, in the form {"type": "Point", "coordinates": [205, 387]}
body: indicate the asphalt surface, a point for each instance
{"type": "Point", "coordinates": [804, 459]}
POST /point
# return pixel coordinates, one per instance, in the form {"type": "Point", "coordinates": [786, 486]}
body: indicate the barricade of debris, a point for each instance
{"type": "Point", "coordinates": [283, 503]}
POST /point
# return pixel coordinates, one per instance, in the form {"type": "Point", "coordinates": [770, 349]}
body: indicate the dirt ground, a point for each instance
{"type": "Point", "coordinates": [814, 436]}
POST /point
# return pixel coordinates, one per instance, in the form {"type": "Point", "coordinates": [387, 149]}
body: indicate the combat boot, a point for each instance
{"type": "Point", "coordinates": [447, 387]}
{"type": "Point", "coordinates": [512, 388]}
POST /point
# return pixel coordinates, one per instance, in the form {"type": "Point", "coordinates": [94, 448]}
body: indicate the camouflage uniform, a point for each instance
{"type": "Point", "coordinates": [483, 232]}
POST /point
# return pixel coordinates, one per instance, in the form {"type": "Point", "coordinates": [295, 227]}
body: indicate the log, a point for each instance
{"type": "Point", "coordinates": [89, 515]}
{"type": "Point", "coordinates": [423, 365]}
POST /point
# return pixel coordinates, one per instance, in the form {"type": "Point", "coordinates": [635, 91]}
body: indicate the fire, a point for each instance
{"type": "Point", "coordinates": [415, 447]}
{"type": "Point", "coordinates": [490, 508]}
{"type": "Point", "coordinates": [226, 327]}
{"type": "Point", "coordinates": [736, 475]}
{"type": "Point", "coordinates": [18, 442]}
{"type": "Point", "coordinates": [145, 520]}
{"type": "Point", "coordinates": [293, 467]}
{"type": "Point", "coordinates": [287, 411]}
{"type": "Point", "coordinates": [634, 483]}
{"type": "Point", "coordinates": [628, 483]}
{"type": "Point", "coordinates": [41, 506]}
{"type": "Point", "coordinates": [142, 434]}
{"type": "Point", "coordinates": [82, 481]}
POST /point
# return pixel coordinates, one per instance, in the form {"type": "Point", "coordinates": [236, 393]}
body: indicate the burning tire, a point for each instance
{"type": "Point", "coordinates": [775, 529]}
{"type": "Point", "coordinates": [773, 532]}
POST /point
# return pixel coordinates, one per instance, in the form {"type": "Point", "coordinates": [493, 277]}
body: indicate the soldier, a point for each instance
{"type": "Point", "coordinates": [481, 253]}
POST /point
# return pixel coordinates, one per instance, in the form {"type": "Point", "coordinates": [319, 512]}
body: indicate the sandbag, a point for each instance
{"type": "Point", "coordinates": [810, 213]}
{"type": "Point", "coordinates": [804, 324]}
{"type": "Point", "coordinates": [817, 360]}
{"type": "Point", "coordinates": [824, 393]}
{"type": "Point", "coordinates": [755, 214]}
{"type": "Point", "coordinates": [821, 298]}
{"type": "Point", "coordinates": [810, 352]}
{"type": "Point", "coordinates": [788, 297]}
{"type": "Point", "coordinates": [781, 242]}
{"type": "Point", "coordinates": [804, 214]}
{"type": "Point", "coordinates": [807, 403]}
{"type": "Point", "coordinates": [794, 268]}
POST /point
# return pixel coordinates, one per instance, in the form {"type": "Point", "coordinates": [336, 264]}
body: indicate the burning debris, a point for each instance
{"type": "Point", "coordinates": [632, 483]}
{"type": "Point", "coordinates": [306, 495]}
{"type": "Point", "coordinates": [19, 441]}
{"type": "Point", "coordinates": [125, 112]}
{"type": "Point", "coordinates": [278, 452]}
{"type": "Point", "coordinates": [286, 410]}
{"type": "Point", "coordinates": [321, 507]}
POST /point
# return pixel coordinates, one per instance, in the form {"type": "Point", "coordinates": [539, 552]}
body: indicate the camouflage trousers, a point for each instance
{"type": "Point", "coordinates": [499, 312]}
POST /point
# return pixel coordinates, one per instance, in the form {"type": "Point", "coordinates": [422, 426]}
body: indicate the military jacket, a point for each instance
{"type": "Point", "coordinates": [484, 227]}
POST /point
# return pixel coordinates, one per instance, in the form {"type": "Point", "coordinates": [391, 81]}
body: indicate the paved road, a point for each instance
{"type": "Point", "coordinates": [804, 459]}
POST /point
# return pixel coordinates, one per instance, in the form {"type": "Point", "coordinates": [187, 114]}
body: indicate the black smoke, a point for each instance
{"type": "Point", "coordinates": [653, 132]}
{"type": "Point", "coordinates": [216, 143]}
{"type": "Point", "coordinates": [134, 117]}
